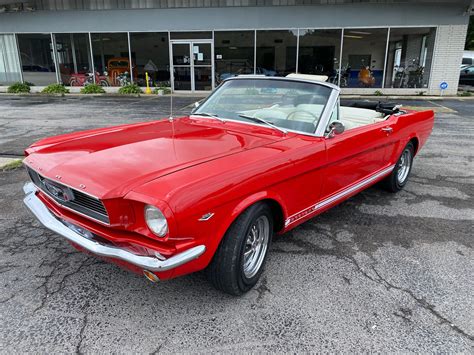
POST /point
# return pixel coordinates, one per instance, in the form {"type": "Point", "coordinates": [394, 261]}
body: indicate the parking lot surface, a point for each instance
{"type": "Point", "coordinates": [380, 272]}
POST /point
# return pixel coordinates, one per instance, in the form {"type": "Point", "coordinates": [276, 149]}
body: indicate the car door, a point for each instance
{"type": "Point", "coordinates": [354, 158]}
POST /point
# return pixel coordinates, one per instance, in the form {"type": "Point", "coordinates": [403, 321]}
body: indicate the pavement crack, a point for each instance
{"type": "Point", "coordinates": [85, 322]}
{"type": "Point", "coordinates": [423, 303]}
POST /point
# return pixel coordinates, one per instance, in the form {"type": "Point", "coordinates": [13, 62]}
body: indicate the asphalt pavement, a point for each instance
{"type": "Point", "coordinates": [379, 273]}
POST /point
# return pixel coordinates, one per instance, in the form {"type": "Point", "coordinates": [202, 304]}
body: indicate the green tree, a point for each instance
{"type": "Point", "coordinates": [470, 35]}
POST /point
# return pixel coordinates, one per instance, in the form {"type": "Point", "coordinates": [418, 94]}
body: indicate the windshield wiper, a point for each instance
{"type": "Point", "coordinates": [261, 120]}
{"type": "Point", "coordinates": [206, 114]}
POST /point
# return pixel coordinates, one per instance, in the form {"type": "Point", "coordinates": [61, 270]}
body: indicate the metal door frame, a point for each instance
{"type": "Point", "coordinates": [191, 43]}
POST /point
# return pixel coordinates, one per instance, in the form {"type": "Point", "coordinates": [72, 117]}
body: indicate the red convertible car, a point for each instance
{"type": "Point", "coordinates": [259, 156]}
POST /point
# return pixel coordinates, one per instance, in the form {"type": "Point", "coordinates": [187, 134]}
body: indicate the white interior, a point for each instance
{"type": "Point", "coordinates": [351, 117]}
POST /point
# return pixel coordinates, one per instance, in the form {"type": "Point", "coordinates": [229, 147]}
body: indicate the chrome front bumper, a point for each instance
{"type": "Point", "coordinates": [41, 212]}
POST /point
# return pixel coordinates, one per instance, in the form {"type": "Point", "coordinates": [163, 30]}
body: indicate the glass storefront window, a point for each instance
{"type": "Point", "coordinates": [111, 58]}
{"type": "Point", "coordinates": [191, 35]}
{"type": "Point", "coordinates": [319, 52]}
{"type": "Point", "coordinates": [410, 51]}
{"type": "Point", "coordinates": [9, 60]}
{"type": "Point", "coordinates": [74, 59]}
{"type": "Point", "coordinates": [363, 57]}
{"type": "Point", "coordinates": [234, 53]}
{"type": "Point", "coordinates": [150, 53]}
{"type": "Point", "coordinates": [37, 61]}
{"type": "Point", "coordinates": [276, 52]}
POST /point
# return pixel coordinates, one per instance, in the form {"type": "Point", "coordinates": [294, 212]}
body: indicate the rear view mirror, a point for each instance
{"type": "Point", "coordinates": [334, 128]}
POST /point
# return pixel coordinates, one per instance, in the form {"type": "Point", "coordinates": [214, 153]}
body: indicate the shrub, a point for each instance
{"type": "Point", "coordinates": [55, 89]}
{"type": "Point", "coordinates": [378, 93]}
{"type": "Point", "coordinates": [18, 88]}
{"type": "Point", "coordinates": [15, 164]}
{"type": "Point", "coordinates": [92, 89]}
{"type": "Point", "coordinates": [166, 90]}
{"type": "Point", "coordinates": [130, 89]}
{"type": "Point", "coordinates": [420, 93]}
{"type": "Point", "coordinates": [464, 93]}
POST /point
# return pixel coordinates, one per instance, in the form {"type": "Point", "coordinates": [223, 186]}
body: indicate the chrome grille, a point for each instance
{"type": "Point", "coordinates": [75, 199]}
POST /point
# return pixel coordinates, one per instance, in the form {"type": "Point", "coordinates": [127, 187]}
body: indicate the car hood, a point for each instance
{"type": "Point", "coordinates": [109, 162]}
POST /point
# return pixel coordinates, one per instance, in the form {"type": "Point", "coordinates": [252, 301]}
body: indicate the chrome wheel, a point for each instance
{"type": "Point", "coordinates": [404, 166]}
{"type": "Point", "coordinates": [256, 245]}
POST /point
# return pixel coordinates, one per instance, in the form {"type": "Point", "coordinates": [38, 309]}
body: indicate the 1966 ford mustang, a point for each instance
{"type": "Point", "coordinates": [259, 156]}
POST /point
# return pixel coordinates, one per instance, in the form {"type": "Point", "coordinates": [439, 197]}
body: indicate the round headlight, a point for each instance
{"type": "Point", "coordinates": [156, 221]}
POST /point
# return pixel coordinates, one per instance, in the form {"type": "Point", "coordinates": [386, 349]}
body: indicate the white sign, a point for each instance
{"type": "Point", "coordinates": [200, 57]}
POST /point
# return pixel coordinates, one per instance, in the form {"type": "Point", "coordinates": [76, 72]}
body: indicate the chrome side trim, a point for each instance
{"type": "Point", "coordinates": [206, 217]}
{"type": "Point", "coordinates": [41, 212]}
{"type": "Point", "coordinates": [314, 208]}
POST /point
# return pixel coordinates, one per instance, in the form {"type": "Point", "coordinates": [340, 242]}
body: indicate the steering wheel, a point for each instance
{"type": "Point", "coordinates": [291, 114]}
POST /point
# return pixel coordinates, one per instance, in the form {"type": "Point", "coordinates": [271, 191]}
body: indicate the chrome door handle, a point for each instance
{"type": "Point", "coordinates": [387, 129]}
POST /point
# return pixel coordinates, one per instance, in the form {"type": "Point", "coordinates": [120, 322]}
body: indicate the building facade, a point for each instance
{"type": "Point", "coordinates": [366, 47]}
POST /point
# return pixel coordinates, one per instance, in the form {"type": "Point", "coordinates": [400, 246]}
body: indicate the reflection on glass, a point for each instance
{"type": "Point", "coordinates": [182, 78]}
{"type": "Point", "coordinates": [37, 59]}
{"type": "Point", "coordinates": [234, 52]}
{"type": "Point", "coordinates": [9, 61]}
{"type": "Point", "coordinates": [150, 53]}
{"type": "Point", "coordinates": [363, 57]}
{"type": "Point", "coordinates": [74, 59]}
{"type": "Point", "coordinates": [276, 52]}
{"type": "Point", "coordinates": [319, 52]}
{"type": "Point", "coordinates": [202, 78]}
{"type": "Point", "coordinates": [111, 58]}
{"type": "Point", "coordinates": [202, 53]}
{"type": "Point", "coordinates": [409, 57]}
{"type": "Point", "coordinates": [181, 54]}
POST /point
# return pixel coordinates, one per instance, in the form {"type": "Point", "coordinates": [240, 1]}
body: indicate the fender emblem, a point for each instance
{"type": "Point", "coordinates": [206, 217]}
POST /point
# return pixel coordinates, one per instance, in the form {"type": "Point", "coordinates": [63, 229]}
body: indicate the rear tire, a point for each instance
{"type": "Point", "coordinates": [241, 255]}
{"type": "Point", "coordinates": [399, 176]}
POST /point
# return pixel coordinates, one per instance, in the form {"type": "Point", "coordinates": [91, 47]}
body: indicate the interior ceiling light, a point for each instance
{"type": "Point", "coordinates": [360, 32]}
{"type": "Point", "coordinates": [357, 37]}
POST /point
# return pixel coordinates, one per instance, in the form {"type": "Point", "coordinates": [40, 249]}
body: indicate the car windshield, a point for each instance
{"type": "Point", "coordinates": [287, 104]}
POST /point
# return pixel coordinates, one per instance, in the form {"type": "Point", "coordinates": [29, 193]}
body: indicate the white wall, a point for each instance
{"type": "Point", "coordinates": [447, 58]}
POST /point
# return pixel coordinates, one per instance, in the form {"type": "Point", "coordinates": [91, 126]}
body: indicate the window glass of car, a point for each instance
{"type": "Point", "coordinates": [467, 70]}
{"type": "Point", "coordinates": [288, 104]}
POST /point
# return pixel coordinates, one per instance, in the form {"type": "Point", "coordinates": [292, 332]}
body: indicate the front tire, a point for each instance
{"type": "Point", "coordinates": [240, 258]}
{"type": "Point", "coordinates": [399, 176]}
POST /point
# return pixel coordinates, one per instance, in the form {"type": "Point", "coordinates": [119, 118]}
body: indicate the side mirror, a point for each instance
{"type": "Point", "coordinates": [334, 128]}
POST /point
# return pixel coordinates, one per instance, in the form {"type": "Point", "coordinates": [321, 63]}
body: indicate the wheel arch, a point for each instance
{"type": "Point", "coordinates": [273, 200]}
{"type": "Point", "coordinates": [416, 143]}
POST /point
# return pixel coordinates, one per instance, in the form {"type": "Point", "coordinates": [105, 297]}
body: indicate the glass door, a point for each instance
{"type": "Point", "coordinates": [192, 65]}
{"type": "Point", "coordinates": [181, 66]}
